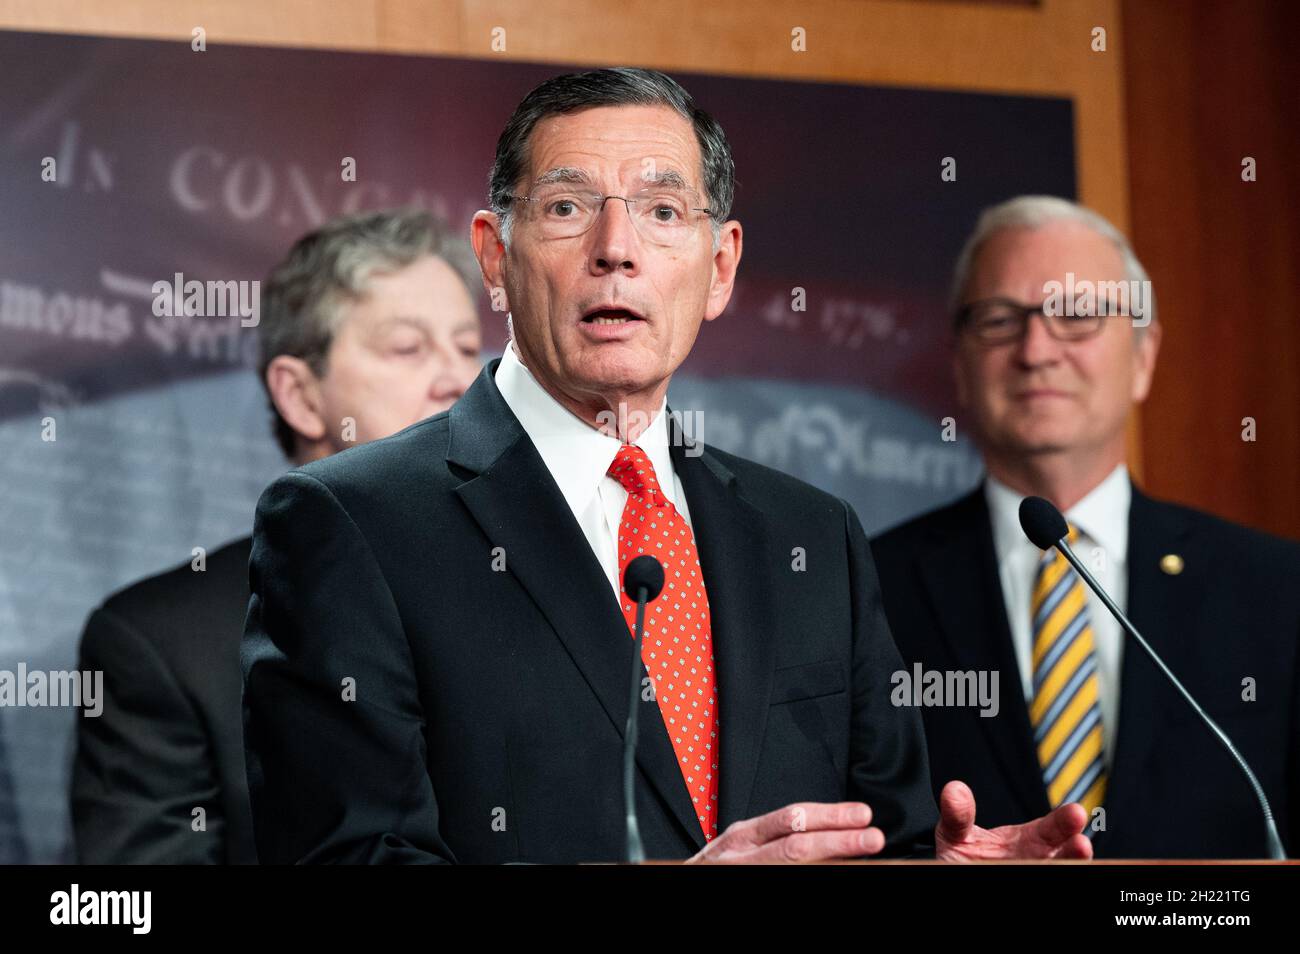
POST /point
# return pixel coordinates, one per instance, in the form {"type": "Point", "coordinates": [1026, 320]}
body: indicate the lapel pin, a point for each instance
{"type": "Point", "coordinates": [1171, 563]}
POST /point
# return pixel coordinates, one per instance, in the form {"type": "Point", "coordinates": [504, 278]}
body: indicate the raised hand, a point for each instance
{"type": "Point", "coordinates": [958, 838]}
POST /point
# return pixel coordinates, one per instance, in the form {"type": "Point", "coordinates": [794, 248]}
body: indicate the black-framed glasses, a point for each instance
{"type": "Point", "coordinates": [1001, 320]}
{"type": "Point", "coordinates": [662, 214]}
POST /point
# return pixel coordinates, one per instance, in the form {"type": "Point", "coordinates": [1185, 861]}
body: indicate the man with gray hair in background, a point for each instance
{"type": "Point", "coordinates": [369, 324]}
{"type": "Point", "coordinates": [1055, 344]}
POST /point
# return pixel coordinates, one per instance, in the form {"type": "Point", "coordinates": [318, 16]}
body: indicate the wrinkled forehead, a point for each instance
{"type": "Point", "coordinates": [608, 146]}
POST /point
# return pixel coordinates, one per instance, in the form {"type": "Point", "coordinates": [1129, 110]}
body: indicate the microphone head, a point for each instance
{"type": "Point", "coordinates": [643, 573]}
{"type": "Point", "coordinates": [1042, 522]}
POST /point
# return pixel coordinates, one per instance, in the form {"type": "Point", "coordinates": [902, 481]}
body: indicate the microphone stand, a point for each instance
{"type": "Point", "coordinates": [635, 850]}
{"type": "Point", "coordinates": [1275, 849]}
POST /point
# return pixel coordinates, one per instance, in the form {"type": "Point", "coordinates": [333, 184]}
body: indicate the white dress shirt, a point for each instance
{"type": "Point", "coordinates": [578, 457]}
{"type": "Point", "coordinates": [1102, 521]}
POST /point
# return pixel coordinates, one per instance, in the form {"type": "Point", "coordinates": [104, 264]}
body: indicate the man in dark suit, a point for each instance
{"type": "Point", "coordinates": [1082, 714]}
{"type": "Point", "coordinates": [437, 652]}
{"type": "Point", "coordinates": [158, 777]}
{"type": "Point", "coordinates": [368, 325]}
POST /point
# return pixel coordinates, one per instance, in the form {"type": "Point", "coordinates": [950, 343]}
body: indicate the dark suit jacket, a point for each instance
{"type": "Point", "coordinates": [1173, 791]}
{"type": "Point", "coordinates": [170, 738]}
{"type": "Point", "coordinates": [490, 700]}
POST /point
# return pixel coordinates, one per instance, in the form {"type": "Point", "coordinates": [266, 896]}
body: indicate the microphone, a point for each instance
{"type": "Point", "coordinates": [1046, 528]}
{"type": "Point", "coordinates": [642, 581]}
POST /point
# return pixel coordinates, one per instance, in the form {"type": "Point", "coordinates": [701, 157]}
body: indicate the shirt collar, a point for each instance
{"type": "Point", "coordinates": [577, 454]}
{"type": "Point", "coordinates": [1102, 515]}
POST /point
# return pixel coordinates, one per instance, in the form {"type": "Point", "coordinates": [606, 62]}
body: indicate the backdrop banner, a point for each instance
{"type": "Point", "coordinates": [128, 437]}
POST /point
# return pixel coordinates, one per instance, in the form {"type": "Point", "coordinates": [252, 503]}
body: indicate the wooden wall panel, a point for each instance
{"type": "Point", "coordinates": [1209, 83]}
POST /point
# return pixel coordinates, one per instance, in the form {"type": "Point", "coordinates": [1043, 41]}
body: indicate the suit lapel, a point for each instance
{"type": "Point", "coordinates": [511, 494]}
{"type": "Point", "coordinates": [959, 567]}
{"type": "Point", "coordinates": [730, 539]}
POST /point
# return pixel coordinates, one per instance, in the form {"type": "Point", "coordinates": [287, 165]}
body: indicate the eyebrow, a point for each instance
{"type": "Point", "coordinates": [669, 177]}
{"type": "Point", "coordinates": [469, 324]}
{"type": "Point", "coordinates": [563, 174]}
{"type": "Point", "coordinates": [570, 174]}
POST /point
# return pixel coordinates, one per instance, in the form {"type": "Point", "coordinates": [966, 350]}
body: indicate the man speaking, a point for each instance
{"type": "Point", "coordinates": [437, 653]}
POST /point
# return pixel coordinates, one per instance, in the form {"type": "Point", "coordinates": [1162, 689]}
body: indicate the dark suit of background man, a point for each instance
{"type": "Point", "coordinates": [437, 657]}
{"type": "Point", "coordinates": [371, 317]}
{"type": "Point", "coordinates": [1083, 713]}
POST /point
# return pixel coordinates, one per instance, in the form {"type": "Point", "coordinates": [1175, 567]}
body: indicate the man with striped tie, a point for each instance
{"type": "Point", "coordinates": [1046, 385]}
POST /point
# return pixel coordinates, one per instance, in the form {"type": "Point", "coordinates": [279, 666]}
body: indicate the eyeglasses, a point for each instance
{"type": "Point", "coordinates": [1001, 320]}
{"type": "Point", "coordinates": [663, 215]}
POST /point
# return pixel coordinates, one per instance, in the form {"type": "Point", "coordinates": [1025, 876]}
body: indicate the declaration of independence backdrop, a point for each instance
{"type": "Point", "coordinates": [209, 165]}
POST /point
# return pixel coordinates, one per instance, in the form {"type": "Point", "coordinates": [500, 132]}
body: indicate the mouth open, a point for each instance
{"type": "Point", "coordinates": [610, 316]}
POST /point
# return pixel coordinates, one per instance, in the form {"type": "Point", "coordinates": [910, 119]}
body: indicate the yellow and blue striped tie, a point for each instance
{"type": "Point", "coordinates": [1066, 707]}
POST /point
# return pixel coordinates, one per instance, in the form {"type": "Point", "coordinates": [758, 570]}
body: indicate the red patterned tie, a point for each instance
{"type": "Point", "coordinates": [678, 646]}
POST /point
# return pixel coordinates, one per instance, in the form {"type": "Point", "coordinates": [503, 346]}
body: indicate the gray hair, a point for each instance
{"type": "Point", "coordinates": [1034, 212]}
{"type": "Point", "coordinates": [620, 86]}
{"type": "Point", "coordinates": [303, 297]}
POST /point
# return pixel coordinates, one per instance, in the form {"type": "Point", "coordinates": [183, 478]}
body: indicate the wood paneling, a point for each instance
{"type": "Point", "coordinates": [1209, 83]}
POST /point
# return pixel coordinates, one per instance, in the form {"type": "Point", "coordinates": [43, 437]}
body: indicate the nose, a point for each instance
{"type": "Point", "coordinates": [1037, 347]}
{"type": "Point", "coordinates": [613, 239]}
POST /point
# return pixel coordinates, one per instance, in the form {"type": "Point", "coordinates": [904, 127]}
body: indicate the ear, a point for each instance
{"type": "Point", "coordinates": [295, 391]}
{"type": "Point", "coordinates": [726, 262]}
{"type": "Point", "coordinates": [485, 238]}
{"type": "Point", "coordinates": [1146, 351]}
